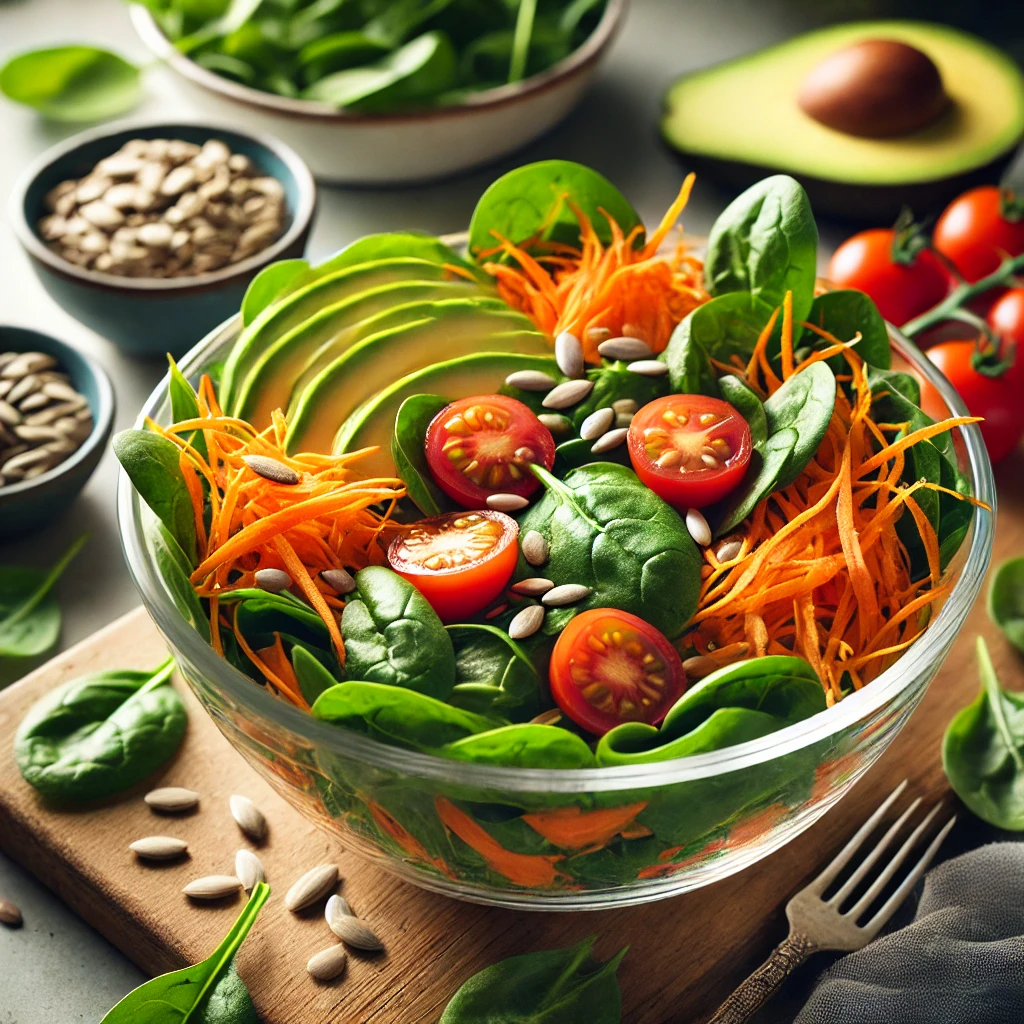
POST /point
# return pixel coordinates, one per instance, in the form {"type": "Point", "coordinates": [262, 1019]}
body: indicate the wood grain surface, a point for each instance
{"type": "Point", "coordinates": [686, 953]}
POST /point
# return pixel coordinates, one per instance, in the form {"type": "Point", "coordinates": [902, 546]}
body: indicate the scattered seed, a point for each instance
{"type": "Point", "coordinates": [312, 886]}
{"type": "Point", "coordinates": [341, 905]}
{"type": "Point", "coordinates": [556, 422]}
{"type": "Point", "coordinates": [728, 550]}
{"type": "Point", "coordinates": [624, 348]}
{"type": "Point", "coordinates": [506, 502]}
{"type": "Point", "coordinates": [550, 717]}
{"type": "Point", "coordinates": [596, 424]}
{"type": "Point", "coordinates": [10, 915]}
{"type": "Point", "coordinates": [249, 869]}
{"type": "Point", "coordinates": [271, 469]}
{"type": "Point", "coordinates": [530, 380]}
{"type": "Point", "coordinates": [536, 549]}
{"type": "Point", "coordinates": [350, 929]}
{"type": "Point", "coordinates": [569, 354]}
{"type": "Point", "coordinates": [698, 527]}
{"type": "Point", "coordinates": [699, 666]}
{"type": "Point", "coordinates": [625, 405]}
{"type": "Point", "coordinates": [612, 439]}
{"type": "Point", "coordinates": [338, 580]}
{"type": "Point", "coordinates": [570, 393]}
{"type": "Point", "coordinates": [533, 587]}
{"type": "Point", "coordinates": [648, 368]}
{"type": "Point", "coordinates": [567, 593]}
{"type": "Point", "coordinates": [272, 580]}
{"type": "Point", "coordinates": [526, 622]}
{"type": "Point", "coordinates": [158, 847]}
{"type": "Point", "coordinates": [328, 963]}
{"type": "Point", "coordinates": [624, 419]}
{"type": "Point", "coordinates": [171, 799]}
{"type": "Point", "coordinates": [248, 817]}
{"type": "Point", "coordinates": [212, 887]}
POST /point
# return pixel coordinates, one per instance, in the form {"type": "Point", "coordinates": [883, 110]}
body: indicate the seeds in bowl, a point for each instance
{"type": "Point", "coordinates": [162, 208]}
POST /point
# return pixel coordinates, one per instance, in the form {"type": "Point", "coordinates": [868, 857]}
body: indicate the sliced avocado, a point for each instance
{"type": "Point", "coordinates": [451, 330]}
{"type": "Point", "coordinates": [280, 370]}
{"type": "Point", "coordinates": [741, 121]}
{"type": "Point", "coordinates": [480, 374]}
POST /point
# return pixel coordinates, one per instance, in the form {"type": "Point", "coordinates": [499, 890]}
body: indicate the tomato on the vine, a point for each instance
{"type": "Point", "coordinates": [459, 562]}
{"type": "Point", "coordinates": [974, 234]}
{"type": "Point", "coordinates": [610, 667]}
{"type": "Point", "coordinates": [691, 450]}
{"type": "Point", "coordinates": [483, 445]}
{"type": "Point", "coordinates": [1006, 317]}
{"type": "Point", "coordinates": [900, 291]}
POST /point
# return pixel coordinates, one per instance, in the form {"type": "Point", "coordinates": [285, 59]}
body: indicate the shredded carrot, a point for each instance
{"type": "Point", "coordinates": [392, 827]}
{"type": "Point", "coordinates": [576, 829]}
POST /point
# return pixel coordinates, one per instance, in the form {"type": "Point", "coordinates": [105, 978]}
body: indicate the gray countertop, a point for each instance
{"type": "Point", "coordinates": [56, 970]}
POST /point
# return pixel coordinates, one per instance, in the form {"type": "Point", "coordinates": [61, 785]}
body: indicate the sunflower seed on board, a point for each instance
{"type": "Point", "coordinates": [567, 394]}
{"type": "Point", "coordinates": [338, 580]}
{"type": "Point", "coordinates": [171, 799]}
{"type": "Point", "coordinates": [328, 963]}
{"type": "Point", "coordinates": [506, 502]}
{"type": "Point", "coordinates": [556, 422]}
{"type": "Point", "coordinates": [624, 348]}
{"type": "Point", "coordinates": [526, 622]}
{"type": "Point", "coordinates": [699, 665]}
{"type": "Point", "coordinates": [271, 469]}
{"type": "Point", "coordinates": [212, 887]}
{"type": "Point", "coordinates": [350, 929]}
{"type": "Point", "coordinates": [612, 439]}
{"type": "Point", "coordinates": [728, 550]}
{"type": "Point", "coordinates": [530, 380]}
{"type": "Point", "coordinates": [158, 847]}
{"type": "Point", "coordinates": [312, 886]}
{"type": "Point", "coordinates": [272, 580]}
{"type": "Point", "coordinates": [341, 905]}
{"type": "Point", "coordinates": [532, 587]}
{"type": "Point", "coordinates": [597, 423]}
{"type": "Point", "coordinates": [569, 354]}
{"type": "Point", "coordinates": [248, 817]}
{"type": "Point", "coordinates": [536, 549]}
{"type": "Point", "coordinates": [648, 368]}
{"type": "Point", "coordinates": [567, 593]}
{"type": "Point", "coordinates": [249, 869]}
{"type": "Point", "coordinates": [10, 915]}
{"type": "Point", "coordinates": [698, 527]}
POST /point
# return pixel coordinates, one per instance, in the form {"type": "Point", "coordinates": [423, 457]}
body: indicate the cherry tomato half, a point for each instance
{"type": "Point", "coordinates": [974, 235]}
{"type": "Point", "coordinates": [691, 450]}
{"type": "Point", "coordinates": [459, 562]}
{"type": "Point", "coordinates": [1006, 317]}
{"type": "Point", "coordinates": [610, 667]}
{"type": "Point", "coordinates": [483, 445]}
{"type": "Point", "coordinates": [900, 292]}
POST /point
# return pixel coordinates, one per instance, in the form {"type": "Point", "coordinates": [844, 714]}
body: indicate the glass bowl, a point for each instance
{"type": "Point", "coordinates": [714, 813]}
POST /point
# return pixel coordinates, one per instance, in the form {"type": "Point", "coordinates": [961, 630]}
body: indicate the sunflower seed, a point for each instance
{"type": "Point", "coordinates": [171, 799]}
{"type": "Point", "coordinates": [556, 422]}
{"type": "Point", "coordinates": [526, 622]}
{"type": "Point", "coordinates": [569, 354]}
{"type": "Point", "coordinates": [596, 424]}
{"type": "Point", "coordinates": [612, 439]}
{"type": "Point", "coordinates": [338, 580]}
{"type": "Point", "coordinates": [328, 963]}
{"type": "Point", "coordinates": [572, 392]}
{"type": "Point", "coordinates": [624, 348]}
{"type": "Point", "coordinates": [698, 527]}
{"type": "Point", "coordinates": [699, 666]}
{"type": "Point", "coordinates": [536, 549]}
{"type": "Point", "coordinates": [272, 580]}
{"type": "Point", "coordinates": [648, 368]}
{"type": "Point", "coordinates": [212, 887]}
{"type": "Point", "coordinates": [550, 717]}
{"type": "Point", "coordinates": [248, 817]}
{"type": "Point", "coordinates": [25, 387]}
{"type": "Point", "coordinates": [728, 550]}
{"type": "Point", "coordinates": [625, 405]}
{"type": "Point", "coordinates": [9, 416]}
{"type": "Point", "coordinates": [595, 335]}
{"type": "Point", "coordinates": [341, 905]}
{"type": "Point", "coordinates": [567, 593]}
{"type": "Point", "coordinates": [624, 419]}
{"type": "Point", "coordinates": [350, 929]}
{"type": "Point", "coordinates": [10, 915]}
{"type": "Point", "coordinates": [271, 469]}
{"type": "Point", "coordinates": [249, 869]}
{"type": "Point", "coordinates": [530, 380]}
{"type": "Point", "coordinates": [533, 587]}
{"type": "Point", "coordinates": [312, 886]}
{"type": "Point", "coordinates": [158, 847]}
{"type": "Point", "coordinates": [506, 502]}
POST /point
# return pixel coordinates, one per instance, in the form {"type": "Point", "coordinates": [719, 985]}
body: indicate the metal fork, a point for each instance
{"type": "Point", "coordinates": [816, 924]}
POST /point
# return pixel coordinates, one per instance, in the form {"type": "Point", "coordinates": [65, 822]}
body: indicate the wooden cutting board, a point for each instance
{"type": "Point", "coordinates": [686, 953]}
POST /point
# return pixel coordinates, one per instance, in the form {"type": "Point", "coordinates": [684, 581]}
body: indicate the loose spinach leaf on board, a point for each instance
{"type": "Point", "coordinates": [983, 751]}
{"type": "Point", "coordinates": [410, 457]}
{"type": "Point", "coordinates": [742, 397]}
{"type": "Point", "coordinates": [531, 203]}
{"type": "Point", "coordinates": [314, 677]}
{"type": "Point", "coordinates": [765, 242]}
{"type": "Point", "coordinates": [1006, 600]}
{"type": "Point", "coordinates": [210, 992]}
{"type": "Point", "coordinates": [494, 674]}
{"type": "Point", "coordinates": [29, 612]}
{"type": "Point", "coordinates": [524, 745]}
{"type": "Point", "coordinates": [609, 532]}
{"type": "Point", "coordinates": [393, 636]}
{"type": "Point", "coordinates": [845, 314]}
{"type": "Point", "coordinates": [100, 734]}
{"type": "Point", "coordinates": [543, 988]}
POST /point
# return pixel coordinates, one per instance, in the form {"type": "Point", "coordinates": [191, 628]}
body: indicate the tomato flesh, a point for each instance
{"type": "Point", "coordinates": [691, 450]}
{"type": "Point", "coordinates": [973, 234]}
{"type": "Point", "coordinates": [459, 562]}
{"type": "Point", "coordinates": [610, 667]}
{"type": "Point", "coordinates": [484, 445]}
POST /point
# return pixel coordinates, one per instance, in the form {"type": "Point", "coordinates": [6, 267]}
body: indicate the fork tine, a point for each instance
{"type": "Point", "coordinates": [842, 858]}
{"type": "Point", "coordinates": [883, 844]}
{"type": "Point", "coordinates": [892, 867]}
{"type": "Point", "coordinates": [889, 907]}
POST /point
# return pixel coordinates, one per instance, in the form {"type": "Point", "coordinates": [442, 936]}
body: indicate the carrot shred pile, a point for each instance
{"type": "Point", "coordinates": [245, 522]}
{"type": "Point", "coordinates": [598, 290]}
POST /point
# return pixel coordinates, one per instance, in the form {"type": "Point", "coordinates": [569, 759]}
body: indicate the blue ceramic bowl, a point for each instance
{"type": "Point", "coordinates": [150, 317]}
{"type": "Point", "coordinates": [32, 504]}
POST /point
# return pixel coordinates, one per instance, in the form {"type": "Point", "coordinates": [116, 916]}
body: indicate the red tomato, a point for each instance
{"type": "Point", "coordinates": [900, 292]}
{"type": "Point", "coordinates": [481, 446]}
{"type": "Point", "coordinates": [973, 234]}
{"type": "Point", "coordinates": [998, 399]}
{"type": "Point", "coordinates": [459, 562]}
{"type": "Point", "coordinates": [610, 667]}
{"type": "Point", "coordinates": [691, 450]}
{"type": "Point", "coordinates": [1006, 317]}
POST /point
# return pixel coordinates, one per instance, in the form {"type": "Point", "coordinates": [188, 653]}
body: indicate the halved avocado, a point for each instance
{"type": "Point", "coordinates": [284, 369]}
{"type": "Point", "coordinates": [280, 317]}
{"type": "Point", "coordinates": [455, 330]}
{"type": "Point", "coordinates": [741, 121]}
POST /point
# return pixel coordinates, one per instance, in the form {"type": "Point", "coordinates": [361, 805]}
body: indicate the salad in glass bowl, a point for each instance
{"type": "Point", "coordinates": [562, 567]}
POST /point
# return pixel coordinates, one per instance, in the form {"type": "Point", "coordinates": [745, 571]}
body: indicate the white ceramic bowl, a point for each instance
{"type": "Point", "coordinates": [388, 149]}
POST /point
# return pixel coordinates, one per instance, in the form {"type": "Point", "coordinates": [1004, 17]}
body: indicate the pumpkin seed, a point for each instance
{"type": "Point", "coordinates": [158, 847]}
{"type": "Point", "coordinates": [572, 392]}
{"type": "Point", "coordinates": [612, 439]}
{"type": "Point", "coordinates": [248, 817]}
{"type": "Point", "coordinates": [338, 580]}
{"type": "Point", "coordinates": [249, 869]}
{"type": "Point", "coordinates": [271, 469]}
{"type": "Point", "coordinates": [536, 549]}
{"type": "Point", "coordinates": [533, 587]}
{"type": "Point", "coordinates": [10, 915]}
{"type": "Point", "coordinates": [530, 380]}
{"type": "Point", "coordinates": [648, 368]}
{"type": "Point", "coordinates": [272, 580]}
{"type": "Point", "coordinates": [312, 886]}
{"type": "Point", "coordinates": [526, 622]}
{"type": "Point", "coordinates": [171, 799]}
{"type": "Point", "coordinates": [328, 963]}
{"type": "Point", "coordinates": [567, 593]}
{"type": "Point", "coordinates": [350, 929]}
{"type": "Point", "coordinates": [698, 527]}
{"type": "Point", "coordinates": [569, 354]}
{"type": "Point", "coordinates": [506, 502]}
{"type": "Point", "coordinates": [212, 887]}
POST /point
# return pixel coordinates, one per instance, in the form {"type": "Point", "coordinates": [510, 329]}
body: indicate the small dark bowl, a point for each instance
{"type": "Point", "coordinates": [150, 317]}
{"type": "Point", "coordinates": [32, 504]}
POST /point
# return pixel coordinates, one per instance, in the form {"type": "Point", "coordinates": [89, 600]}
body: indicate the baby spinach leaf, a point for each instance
{"type": "Point", "coordinates": [765, 242]}
{"type": "Point", "coordinates": [609, 532]}
{"type": "Point", "coordinates": [100, 734]}
{"type": "Point", "coordinates": [260, 615]}
{"type": "Point", "coordinates": [577, 452]}
{"type": "Point", "coordinates": [521, 37]}
{"type": "Point", "coordinates": [845, 314]}
{"type": "Point", "coordinates": [1006, 600]}
{"type": "Point", "coordinates": [983, 751]}
{"type": "Point", "coordinates": [410, 457]}
{"type": "Point", "coordinates": [184, 403]}
{"type": "Point", "coordinates": [525, 745]}
{"type": "Point", "coordinates": [612, 383]}
{"type": "Point", "coordinates": [542, 988]}
{"type": "Point", "coordinates": [313, 676]}
{"type": "Point", "coordinates": [393, 636]}
{"type": "Point", "coordinates": [72, 83]}
{"type": "Point", "coordinates": [493, 673]}
{"type": "Point", "coordinates": [210, 992]}
{"type": "Point", "coordinates": [174, 570]}
{"type": "Point", "coordinates": [29, 613]}
{"type": "Point", "coordinates": [742, 397]}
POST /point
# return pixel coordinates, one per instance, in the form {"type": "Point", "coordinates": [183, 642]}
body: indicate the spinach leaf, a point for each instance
{"type": "Point", "coordinates": [577, 452]}
{"type": "Point", "coordinates": [845, 314]}
{"type": "Point", "coordinates": [609, 532]}
{"type": "Point", "coordinates": [184, 403]}
{"type": "Point", "coordinates": [541, 988]}
{"type": "Point", "coordinates": [765, 242]}
{"type": "Point", "coordinates": [410, 457]}
{"type": "Point", "coordinates": [983, 751]}
{"type": "Point", "coordinates": [174, 569]}
{"type": "Point", "coordinates": [393, 636]}
{"type": "Point", "coordinates": [100, 734]}
{"type": "Point", "coordinates": [531, 204]}
{"type": "Point", "coordinates": [526, 745]}
{"type": "Point", "coordinates": [494, 674]}
{"type": "Point", "coordinates": [29, 613]}
{"type": "Point", "coordinates": [151, 463]}
{"type": "Point", "coordinates": [210, 992]}
{"type": "Point", "coordinates": [613, 382]}
{"type": "Point", "coordinates": [797, 417]}
{"type": "Point", "coordinates": [260, 615]}
{"type": "Point", "coordinates": [742, 397]}
{"type": "Point", "coordinates": [314, 677]}
{"type": "Point", "coordinates": [1006, 600]}
{"type": "Point", "coordinates": [521, 39]}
